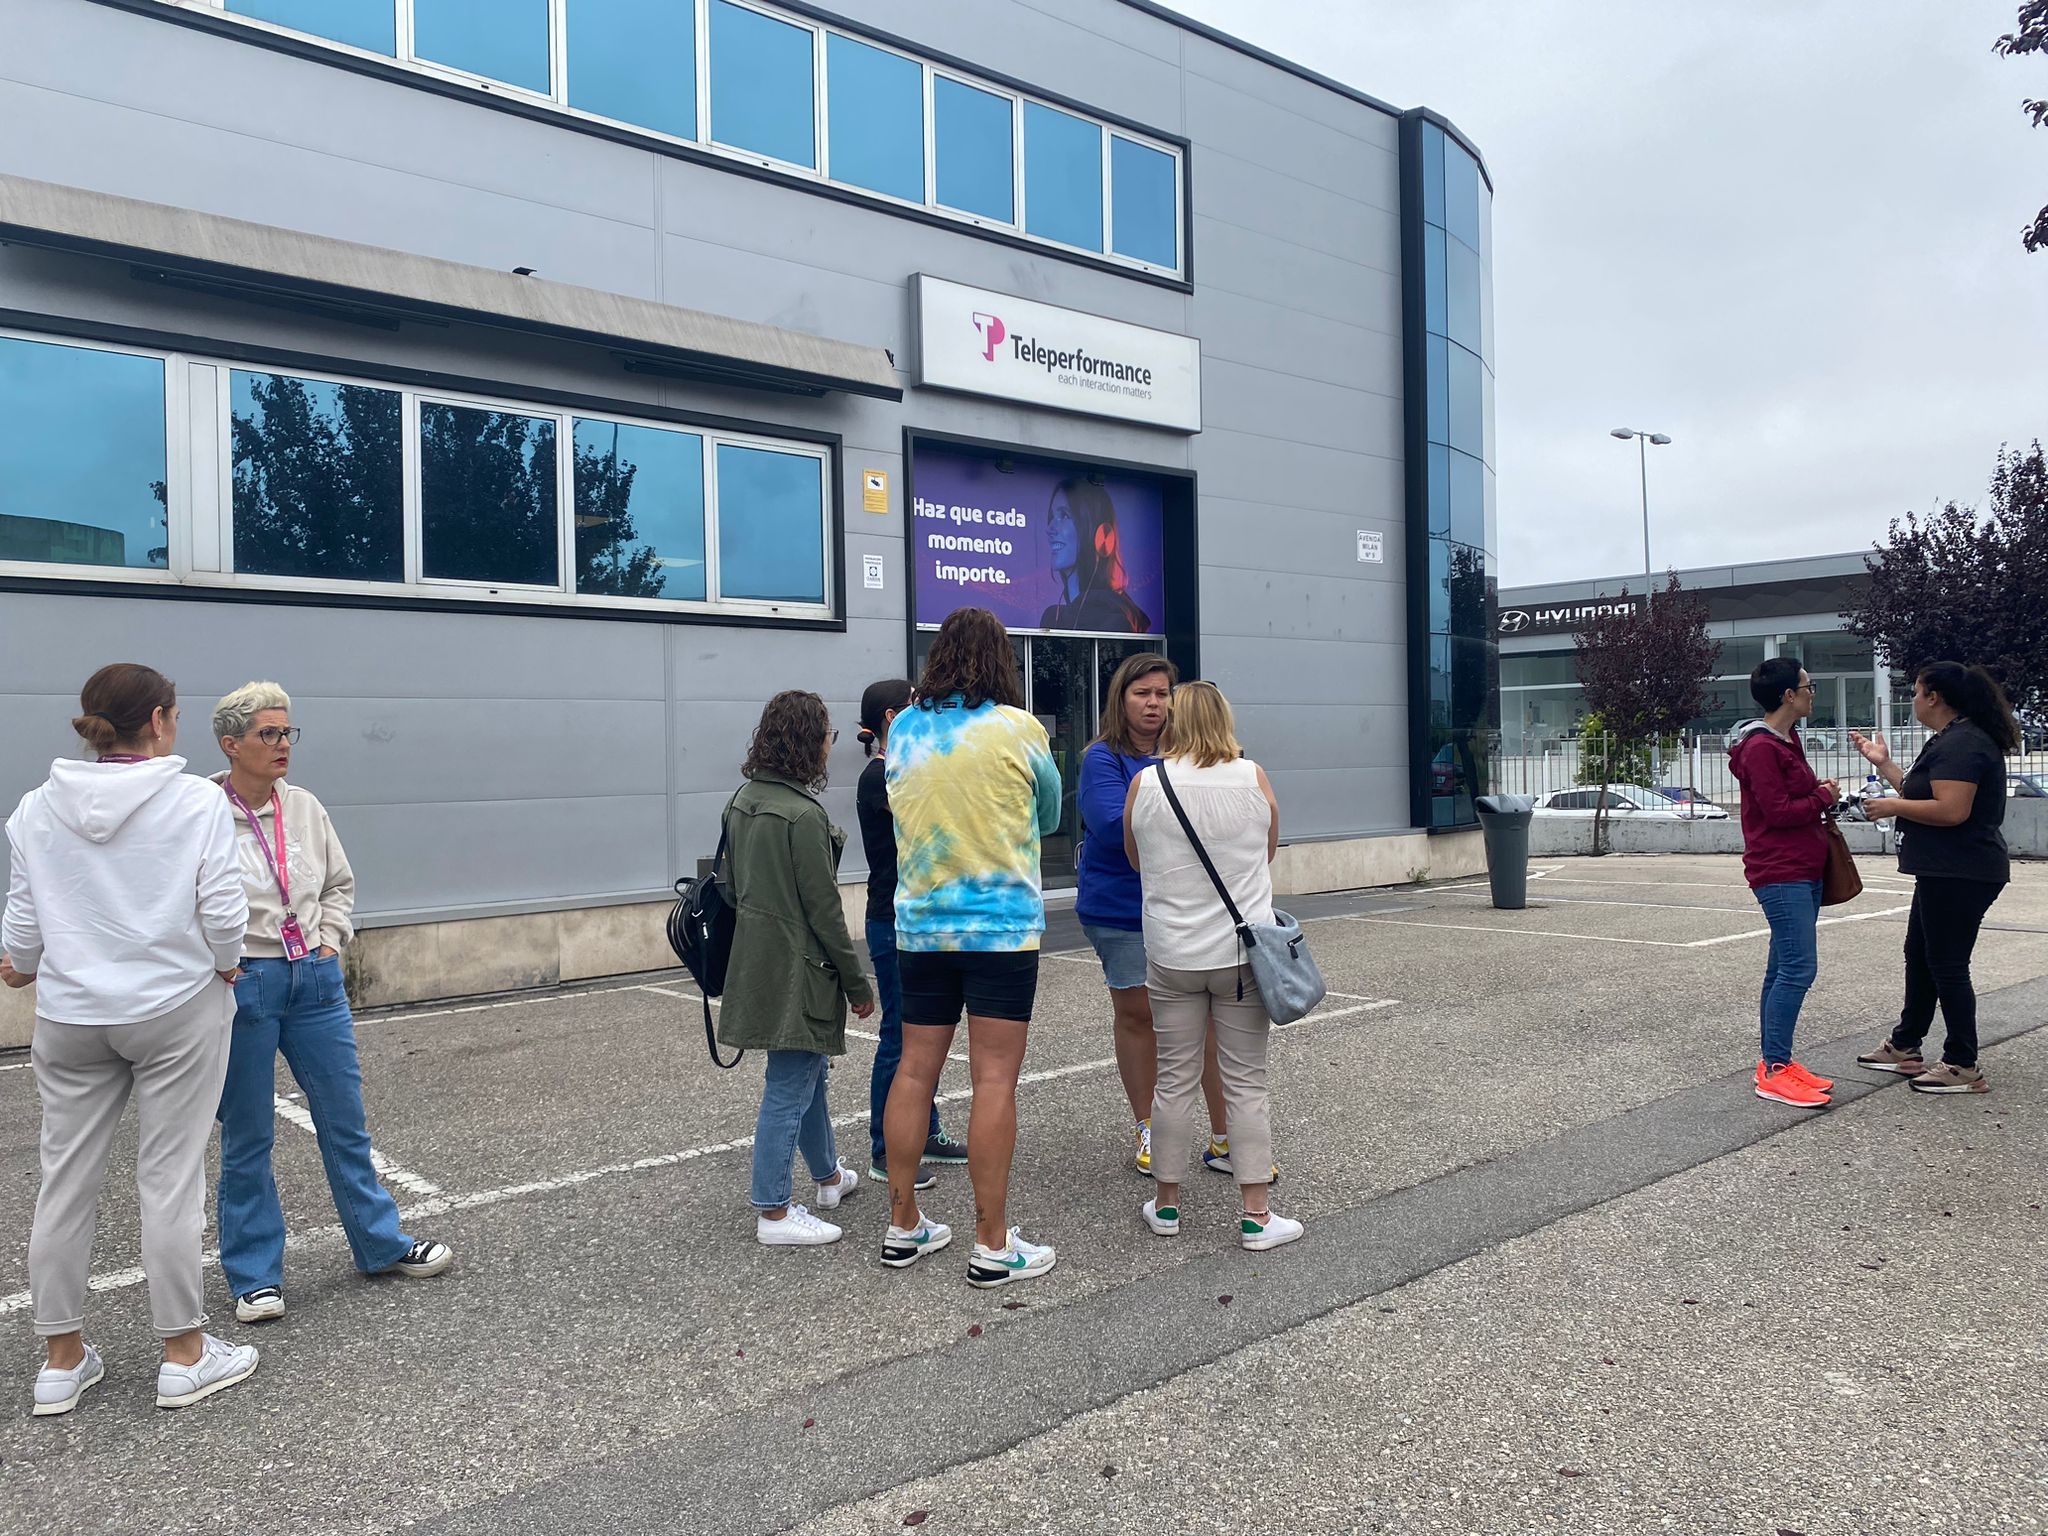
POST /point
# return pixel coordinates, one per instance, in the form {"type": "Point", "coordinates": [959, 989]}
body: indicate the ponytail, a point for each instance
{"type": "Point", "coordinates": [1974, 694]}
{"type": "Point", "coordinates": [891, 693]}
{"type": "Point", "coordinates": [118, 702]}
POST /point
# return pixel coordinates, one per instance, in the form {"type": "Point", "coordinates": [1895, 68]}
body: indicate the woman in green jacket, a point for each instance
{"type": "Point", "coordinates": [794, 968]}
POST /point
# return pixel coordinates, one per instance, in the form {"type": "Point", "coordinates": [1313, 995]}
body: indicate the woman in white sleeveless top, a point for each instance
{"type": "Point", "coordinates": [1195, 970]}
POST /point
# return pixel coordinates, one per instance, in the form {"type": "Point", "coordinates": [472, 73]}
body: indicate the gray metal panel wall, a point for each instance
{"type": "Point", "coordinates": [481, 760]}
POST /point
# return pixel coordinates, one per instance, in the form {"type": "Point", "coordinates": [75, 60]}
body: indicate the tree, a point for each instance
{"type": "Point", "coordinates": [605, 559]}
{"type": "Point", "coordinates": [319, 480]}
{"type": "Point", "coordinates": [1645, 673]}
{"type": "Point", "coordinates": [2030, 35]}
{"type": "Point", "coordinates": [1966, 585]}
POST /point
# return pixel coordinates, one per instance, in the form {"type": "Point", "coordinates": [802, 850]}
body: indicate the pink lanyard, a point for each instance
{"type": "Point", "coordinates": [277, 861]}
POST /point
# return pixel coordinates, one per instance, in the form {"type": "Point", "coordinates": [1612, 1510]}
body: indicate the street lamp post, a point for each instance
{"type": "Point", "coordinates": [1643, 442]}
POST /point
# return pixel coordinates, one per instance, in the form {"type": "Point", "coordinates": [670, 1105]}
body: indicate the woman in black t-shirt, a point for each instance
{"type": "Point", "coordinates": [1954, 795]}
{"type": "Point", "coordinates": [882, 703]}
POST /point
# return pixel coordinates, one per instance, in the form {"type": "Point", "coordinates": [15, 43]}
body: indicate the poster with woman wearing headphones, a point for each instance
{"type": "Point", "coordinates": [1044, 547]}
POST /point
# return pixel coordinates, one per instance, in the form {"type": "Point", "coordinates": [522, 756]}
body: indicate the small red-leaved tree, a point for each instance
{"type": "Point", "coordinates": [1645, 673]}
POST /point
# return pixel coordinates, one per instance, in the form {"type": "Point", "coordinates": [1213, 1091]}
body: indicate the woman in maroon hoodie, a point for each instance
{"type": "Point", "coordinates": [1784, 852]}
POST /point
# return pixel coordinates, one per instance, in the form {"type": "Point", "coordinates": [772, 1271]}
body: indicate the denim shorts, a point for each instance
{"type": "Point", "coordinates": [1122, 952]}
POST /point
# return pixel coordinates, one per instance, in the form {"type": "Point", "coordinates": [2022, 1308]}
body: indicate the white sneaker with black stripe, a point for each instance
{"type": "Point", "coordinates": [1016, 1260]}
{"type": "Point", "coordinates": [424, 1259]}
{"type": "Point", "coordinates": [904, 1246]}
{"type": "Point", "coordinates": [265, 1304]}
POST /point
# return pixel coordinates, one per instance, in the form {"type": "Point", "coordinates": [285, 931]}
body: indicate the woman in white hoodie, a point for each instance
{"type": "Point", "coordinates": [125, 909]}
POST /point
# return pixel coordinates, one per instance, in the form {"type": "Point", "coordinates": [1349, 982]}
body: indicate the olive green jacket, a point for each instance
{"type": "Point", "coordinates": [794, 967]}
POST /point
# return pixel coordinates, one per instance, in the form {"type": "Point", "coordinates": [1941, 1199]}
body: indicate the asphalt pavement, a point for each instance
{"type": "Point", "coordinates": [1563, 1270]}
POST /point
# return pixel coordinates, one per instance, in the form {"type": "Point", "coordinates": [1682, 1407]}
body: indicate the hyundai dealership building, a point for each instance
{"type": "Point", "coordinates": [534, 387]}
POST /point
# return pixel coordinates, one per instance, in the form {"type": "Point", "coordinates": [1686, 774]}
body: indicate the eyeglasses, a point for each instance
{"type": "Point", "coordinates": [271, 735]}
{"type": "Point", "coordinates": [1805, 688]}
{"type": "Point", "coordinates": [832, 737]}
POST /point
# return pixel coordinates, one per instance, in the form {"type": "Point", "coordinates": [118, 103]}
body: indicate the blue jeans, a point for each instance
{"type": "Point", "coordinates": [793, 1115]}
{"type": "Point", "coordinates": [299, 1008]}
{"type": "Point", "coordinates": [882, 950]}
{"type": "Point", "coordinates": [1793, 909]}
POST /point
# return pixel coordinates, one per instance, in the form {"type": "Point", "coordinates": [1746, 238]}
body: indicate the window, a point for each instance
{"type": "Point", "coordinates": [771, 508]}
{"type": "Point", "coordinates": [1145, 203]}
{"type": "Point", "coordinates": [1461, 286]}
{"type": "Point", "coordinates": [1437, 390]}
{"type": "Point", "coordinates": [639, 511]}
{"type": "Point", "coordinates": [1461, 194]}
{"type": "Point", "coordinates": [1468, 501]}
{"type": "Point", "coordinates": [1062, 177]}
{"type": "Point", "coordinates": [876, 118]}
{"type": "Point", "coordinates": [973, 137]}
{"type": "Point", "coordinates": [763, 82]}
{"type": "Point", "coordinates": [83, 477]}
{"type": "Point", "coordinates": [318, 478]}
{"type": "Point", "coordinates": [762, 96]}
{"type": "Point", "coordinates": [498, 39]}
{"type": "Point", "coordinates": [634, 61]}
{"type": "Point", "coordinates": [371, 25]}
{"type": "Point", "coordinates": [1467, 401]}
{"type": "Point", "coordinates": [487, 497]}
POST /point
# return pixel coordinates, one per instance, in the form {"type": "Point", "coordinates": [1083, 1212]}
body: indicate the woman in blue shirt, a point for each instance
{"type": "Point", "coordinates": [1133, 714]}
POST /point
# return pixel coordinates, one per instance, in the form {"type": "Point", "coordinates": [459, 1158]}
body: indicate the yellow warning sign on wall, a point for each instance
{"type": "Point", "coordinates": [874, 490]}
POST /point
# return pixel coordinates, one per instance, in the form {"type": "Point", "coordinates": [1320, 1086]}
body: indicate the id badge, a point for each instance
{"type": "Point", "coordinates": [293, 936]}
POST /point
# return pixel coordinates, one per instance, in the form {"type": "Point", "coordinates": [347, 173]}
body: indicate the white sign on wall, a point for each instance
{"type": "Point", "coordinates": [871, 572]}
{"type": "Point", "coordinates": [1372, 547]}
{"type": "Point", "coordinates": [987, 343]}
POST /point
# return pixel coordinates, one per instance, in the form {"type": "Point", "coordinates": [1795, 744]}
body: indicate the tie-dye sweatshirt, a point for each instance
{"type": "Point", "coordinates": [972, 791]}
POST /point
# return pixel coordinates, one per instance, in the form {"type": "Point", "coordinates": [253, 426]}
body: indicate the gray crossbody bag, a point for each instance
{"type": "Point", "coordinates": [1289, 979]}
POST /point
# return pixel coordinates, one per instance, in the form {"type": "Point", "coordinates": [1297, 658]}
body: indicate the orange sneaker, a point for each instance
{"type": "Point", "coordinates": [1784, 1086]}
{"type": "Point", "coordinates": [1811, 1079]}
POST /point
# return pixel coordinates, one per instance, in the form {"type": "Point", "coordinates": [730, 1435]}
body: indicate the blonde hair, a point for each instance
{"type": "Point", "coordinates": [1200, 728]}
{"type": "Point", "coordinates": [235, 714]}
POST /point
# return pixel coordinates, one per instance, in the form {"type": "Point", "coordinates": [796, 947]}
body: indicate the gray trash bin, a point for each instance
{"type": "Point", "coordinates": [1504, 819]}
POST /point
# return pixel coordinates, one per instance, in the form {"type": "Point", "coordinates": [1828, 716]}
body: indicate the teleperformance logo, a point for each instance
{"type": "Point", "coordinates": [1074, 366]}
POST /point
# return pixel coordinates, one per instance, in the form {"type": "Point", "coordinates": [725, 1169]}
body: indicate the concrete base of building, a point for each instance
{"type": "Point", "coordinates": [423, 962]}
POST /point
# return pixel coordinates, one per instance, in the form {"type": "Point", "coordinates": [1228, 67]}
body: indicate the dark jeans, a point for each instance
{"type": "Point", "coordinates": [889, 992]}
{"type": "Point", "coordinates": [1939, 937]}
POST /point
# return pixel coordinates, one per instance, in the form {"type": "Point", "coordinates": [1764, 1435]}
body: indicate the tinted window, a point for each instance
{"type": "Point", "coordinates": [972, 142]}
{"type": "Point", "coordinates": [636, 61]}
{"type": "Point", "coordinates": [770, 525]}
{"type": "Point", "coordinates": [1437, 390]}
{"type": "Point", "coordinates": [1467, 401]}
{"type": "Point", "coordinates": [319, 479]}
{"type": "Point", "coordinates": [761, 87]}
{"type": "Point", "coordinates": [1435, 315]}
{"type": "Point", "coordinates": [1468, 500]}
{"type": "Point", "coordinates": [498, 39]}
{"type": "Point", "coordinates": [639, 511]}
{"type": "Point", "coordinates": [487, 496]}
{"type": "Point", "coordinates": [1062, 177]}
{"type": "Point", "coordinates": [1461, 195]}
{"type": "Point", "coordinates": [367, 24]}
{"type": "Point", "coordinates": [1432, 174]}
{"type": "Point", "coordinates": [1461, 287]}
{"type": "Point", "coordinates": [1439, 491]}
{"type": "Point", "coordinates": [1144, 207]}
{"type": "Point", "coordinates": [875, 110]}
{"type": "Point", "coordinates": [82, 469]}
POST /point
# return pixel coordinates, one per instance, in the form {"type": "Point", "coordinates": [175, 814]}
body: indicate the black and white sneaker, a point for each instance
{"type": "Point", "coordinates": [265, 1304]}
{"type": "Point", "coordinates": [424, 1259]}
{"type": "Point", "coordinates": [902, 1248]}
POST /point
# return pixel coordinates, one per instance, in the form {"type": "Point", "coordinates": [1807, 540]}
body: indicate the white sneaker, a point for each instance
{"type": "Point", "coordinates": [799, 1229]}
{"type": "Point", "coordinates": [829, 1195]}
{"type": "Point", "coordinates": [59, 1391]}
{"type": "Point", "coordinates": [1276, 1229]}
{"type": "Point", "coordinates": [1017, 1260]}
{"type": "Point", "coordinates": [264, 1305]}
{"type": "Point", "coordinates": [219, 1366]}
{"type": "Point", "coordinates": [904, 1246]}
{"type": "Point", "coordinates": [1166, 1223]}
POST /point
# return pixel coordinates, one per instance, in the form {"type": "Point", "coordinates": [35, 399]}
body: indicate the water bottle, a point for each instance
{"type": "Point", "coordinates": [1873, 788]}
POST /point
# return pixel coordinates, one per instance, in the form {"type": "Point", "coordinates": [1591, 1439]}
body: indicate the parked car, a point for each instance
{"type": "Point", "coordinates": [1683, 795]}
{"type": "Point", "coordinates": [2027, 786]}
{"type": "Point", "coordinates": [1626, 800]}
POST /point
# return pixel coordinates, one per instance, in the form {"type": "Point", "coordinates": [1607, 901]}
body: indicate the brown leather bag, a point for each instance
{"type": "Point", "coordinates": [1839, 882]}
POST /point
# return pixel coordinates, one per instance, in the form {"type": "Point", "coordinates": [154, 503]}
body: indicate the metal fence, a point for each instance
{"type": "Point", "coordinates": [1694, 762]}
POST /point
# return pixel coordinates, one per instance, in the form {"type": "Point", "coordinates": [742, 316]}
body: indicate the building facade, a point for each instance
{"type": "Point", "coordinates": [534, 387]}
{"type": "Point", "coordinates": [1769, 608]}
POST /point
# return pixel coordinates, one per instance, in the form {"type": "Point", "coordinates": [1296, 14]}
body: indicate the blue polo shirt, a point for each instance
{"type": "Point", "coordinates": [1110, 896]}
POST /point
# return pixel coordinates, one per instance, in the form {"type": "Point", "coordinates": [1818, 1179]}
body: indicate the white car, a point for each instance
{"type": "Point", "coordinates": [1631, 800]}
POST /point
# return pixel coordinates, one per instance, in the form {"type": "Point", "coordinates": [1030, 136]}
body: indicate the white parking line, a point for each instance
{"type": "Point", "coordinates": [1609, 938]}
{"type": "Point", "coordinates": [440, 1204]}
{"type": "Point", "coordinates": [389, 1171]}
{"type": "Point", "coordinates": [16, 1066]}
{"type": "Point", "coordinates": [861, 1034]}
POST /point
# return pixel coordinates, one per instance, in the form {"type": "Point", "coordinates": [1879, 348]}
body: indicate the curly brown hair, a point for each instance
{"type": "Point", "coordinates": [791, 740]}
{"type": "Point", "coordinates": [972, 657]}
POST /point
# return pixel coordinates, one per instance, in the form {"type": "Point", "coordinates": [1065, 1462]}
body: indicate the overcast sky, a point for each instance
{"type": "Point", "coordinates": [1785, 232]}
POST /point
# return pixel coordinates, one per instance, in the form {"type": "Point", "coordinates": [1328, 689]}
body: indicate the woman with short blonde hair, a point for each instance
{"type": "Point", "coordinates": [1195, 972]}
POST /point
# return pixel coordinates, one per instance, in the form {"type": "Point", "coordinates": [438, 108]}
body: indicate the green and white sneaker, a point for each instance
{"type": "Point", "coordinates": [1163, 1219]}
{"type": "Point", "coordinates": [901, 1248]}
{"type": "Point", "coordinates": [1260, 1235]}
{"type": "Point", "coordinates": [1017, 1260]}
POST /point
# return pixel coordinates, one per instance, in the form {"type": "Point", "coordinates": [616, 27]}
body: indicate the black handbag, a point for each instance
{"type": "Point", "coordinates": [700, 928]}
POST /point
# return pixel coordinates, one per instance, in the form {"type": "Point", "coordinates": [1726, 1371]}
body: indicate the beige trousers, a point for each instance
{"type": "Point", "coordinates": [1184, 1003]}
{"type": "Point", "coordinates": [174, 1065]}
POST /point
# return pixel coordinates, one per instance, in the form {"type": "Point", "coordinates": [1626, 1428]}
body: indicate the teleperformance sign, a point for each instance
{"type": "Point", "coordinates": [984, 343]}
{"type": "Point", "coordinates": [1562, 618]}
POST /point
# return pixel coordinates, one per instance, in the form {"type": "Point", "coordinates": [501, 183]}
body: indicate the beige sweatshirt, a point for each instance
{"type": "Point", "coordinates": [323, 886]}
